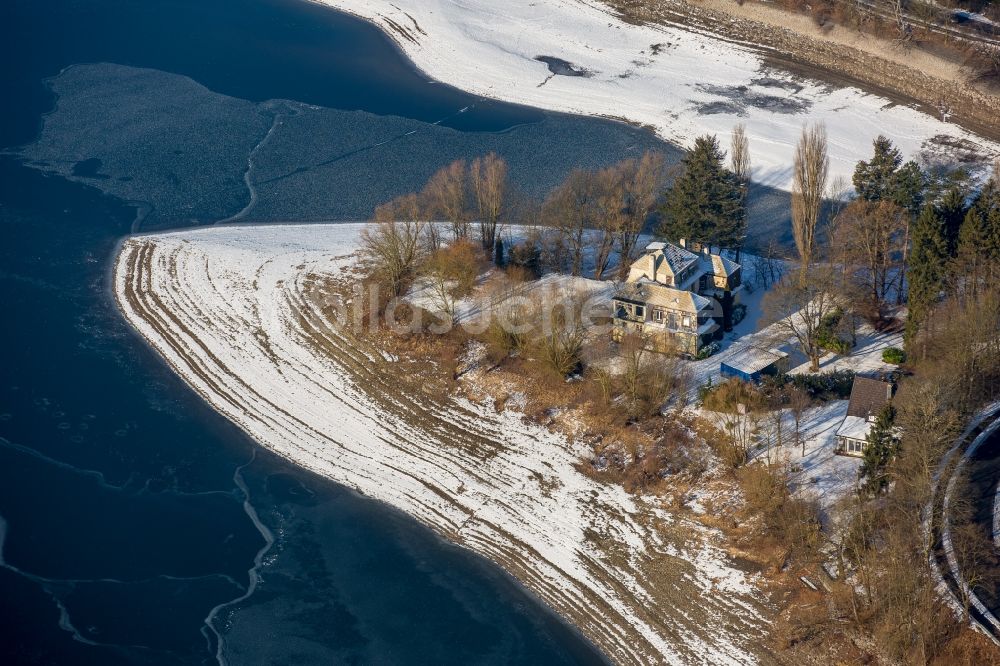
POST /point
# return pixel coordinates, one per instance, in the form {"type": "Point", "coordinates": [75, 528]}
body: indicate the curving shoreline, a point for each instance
{"type": "Point", "coordinates": [230, 309]}
{"type": "Point", "coordinates": [680, 81]}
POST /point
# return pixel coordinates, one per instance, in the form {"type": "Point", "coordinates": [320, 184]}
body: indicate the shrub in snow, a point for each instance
{"type": "Point", "coordinates": [834, 385]}
{"type": "Point", "coordinates": [829, 337]}
{"type": "Point", "coordinates": [739, 313]}
{"type": "Point", "coordinates": [893, 355]}
{"type": "Point", "coordinates": [708, 350]}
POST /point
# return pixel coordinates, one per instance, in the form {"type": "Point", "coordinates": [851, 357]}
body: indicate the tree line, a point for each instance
{"type": "Point", "coordinates": [930, 239]}
{"type": "Point", "coordinates": [589, 222]}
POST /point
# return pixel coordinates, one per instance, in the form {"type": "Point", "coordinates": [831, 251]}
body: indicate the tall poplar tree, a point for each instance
{"type": "Point", "coordinates": [739, 162]}
{"type": "Point", "coordinates": [809, 172]}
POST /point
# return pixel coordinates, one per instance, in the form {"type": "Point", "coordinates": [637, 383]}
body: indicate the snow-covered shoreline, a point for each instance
{"type": "Point", "coordinates": [681, 82]}
{"type": "Point", "coordinates": [228, 309]}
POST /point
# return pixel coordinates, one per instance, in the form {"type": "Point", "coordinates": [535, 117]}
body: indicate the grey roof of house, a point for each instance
{"type": "Point", "coordinates": [722, 266]}
{"type": "Point", "coordinates": [677, 257]}
{"type": "Point", "coordinates": [663, 258]}
{"type": "Point", "coordinates": [655, 294]}
{"type": "Point", "coordinates": [868, 395]}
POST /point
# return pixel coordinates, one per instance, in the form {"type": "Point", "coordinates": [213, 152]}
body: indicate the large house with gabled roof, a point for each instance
{"type": "Point", "coordinates": [680, 299]}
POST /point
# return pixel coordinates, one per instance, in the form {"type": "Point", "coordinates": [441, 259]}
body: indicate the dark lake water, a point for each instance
{"type": "Point", "coordinates": [131, 516]}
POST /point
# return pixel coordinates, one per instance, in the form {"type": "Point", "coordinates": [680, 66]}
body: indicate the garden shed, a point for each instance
{"type": "Point", "coordinates": [750, 363]}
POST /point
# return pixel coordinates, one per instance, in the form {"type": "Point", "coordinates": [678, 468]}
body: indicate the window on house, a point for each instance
{"type": "Point", "coordinates": [640, 311]}
{"type": "Point", "coordinates": [672, 320]}
{"type": "Point", "coordinates": [686, 322]}
{"type": "Point", "coordinates": [658, 316]}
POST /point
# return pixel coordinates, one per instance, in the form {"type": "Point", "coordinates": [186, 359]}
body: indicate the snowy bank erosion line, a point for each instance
{"type": "Point", "coordinates": [678, 80]}
{"type": "Point", "coordinates": [233, 311]}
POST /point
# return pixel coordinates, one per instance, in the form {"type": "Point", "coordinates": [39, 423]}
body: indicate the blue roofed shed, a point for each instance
{"type": "Point", "coordinates": [750, 363]}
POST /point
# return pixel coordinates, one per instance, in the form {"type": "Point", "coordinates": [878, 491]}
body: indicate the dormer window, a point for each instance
{"type": "Point", "coordinates": [640, 311]}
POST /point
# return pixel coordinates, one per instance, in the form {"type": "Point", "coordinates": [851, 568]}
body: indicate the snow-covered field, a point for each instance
{"type": "Point", "coordinates": [675, 79]}
{"type": "Point", "coordinates": [230, 310]}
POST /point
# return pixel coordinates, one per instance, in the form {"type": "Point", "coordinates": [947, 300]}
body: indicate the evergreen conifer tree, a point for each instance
{"type": "Point", "coordinates": [927, 268]}
{"type": "Point", "coordinates": [874, 180]}
{"type": "Point", "coordinates": [987, 207]}
{"type": "Point", "coordinates": [953, 211]}
{"type": "Point", "coordinates": [909, 184]}
{"type": "Point", "coordinates": [886, 178]}
{"type": "Point", "coordinates": [704, 204]}
{"type": "Point", "coordinates": [883, 445]}
{"type": "Point", "coordinates": [978, 247]}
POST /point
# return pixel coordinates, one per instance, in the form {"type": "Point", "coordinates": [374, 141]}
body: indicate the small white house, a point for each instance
{"type": "Point", "coordinates": [868, 396]}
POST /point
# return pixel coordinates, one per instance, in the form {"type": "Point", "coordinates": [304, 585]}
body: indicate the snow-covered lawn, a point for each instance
{"type": "Point", "coordinates": [821, 474]}
{"type": "Point", "coordinates": [816, 472]}
{"type": "Point", "coordinates": [551, 288]}
{"type": "Point", "coordinates": [866, 357]}
{"type": "Point", "coordinates": [680, 81]}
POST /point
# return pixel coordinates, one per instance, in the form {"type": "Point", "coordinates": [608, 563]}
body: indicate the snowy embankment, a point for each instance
{"type": "Point", "coordinates": [233, 311]}
{"type": "Point", "coordinates": [576, 56]}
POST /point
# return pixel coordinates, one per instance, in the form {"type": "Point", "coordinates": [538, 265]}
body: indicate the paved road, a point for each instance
{"type": "Point", "coordinates": [978, 454]}
{"type": "Point", "coordinates": [984, 472]}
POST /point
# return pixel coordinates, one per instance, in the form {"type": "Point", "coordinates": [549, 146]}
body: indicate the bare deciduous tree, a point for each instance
{"type": "Point", "coordinates": [798, 307]}
{"type": "Point", "coordinates": [639, 183]}
{"type": "Point", "coordinates": [768, 268]}
{"type": "Point", "coordinates": [798, 403]}
{"type": "Point", "coordinates": [570, 210]}
{"type": "Point", "coordinates": [451, 273]}
{"type": "Point", "coordinates": [869, 239]}
{"type": "Point", "coordinates": [560, 344]}
{"type": "Point", "coordinates": [648, 380]}
{"type": "Point", "coordinates": [739, 428]}
{"type": "Point", "coordinates": [394, 245]}
{"type": "Point", "coordinates": [608, 216]}
{"type": "Point", "coordinates": [445, 197]}
{"type": "Point", "coordinates": [808, 187]}
{"type": "Point", "coordinates": [929, 426]}
{"type": "Point", "coordinates": [488, 175]}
